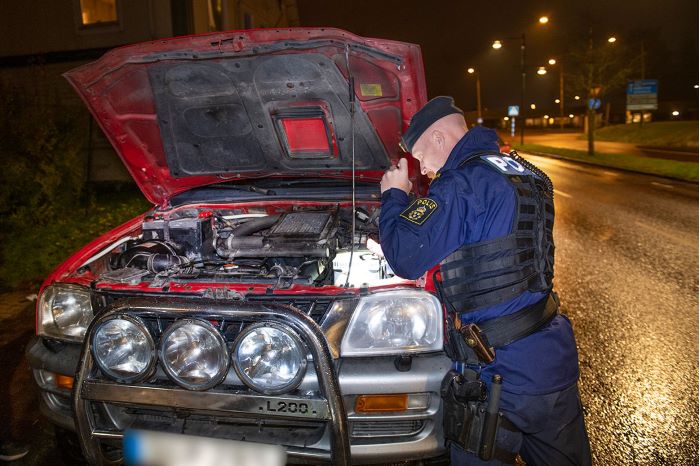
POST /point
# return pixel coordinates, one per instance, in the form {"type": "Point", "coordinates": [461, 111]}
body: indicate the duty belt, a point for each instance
{"type": "Point", "coordinates": [476, 343]}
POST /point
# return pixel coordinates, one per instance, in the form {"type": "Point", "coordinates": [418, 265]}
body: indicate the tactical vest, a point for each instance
{"type": "Point", "coordinates": [490, 272]}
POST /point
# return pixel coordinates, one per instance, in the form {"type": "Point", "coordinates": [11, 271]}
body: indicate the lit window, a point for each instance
{"type": "Point", "coordinates": [95, 12]}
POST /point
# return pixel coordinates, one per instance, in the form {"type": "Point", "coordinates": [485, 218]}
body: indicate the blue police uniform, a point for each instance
{"type": "Point", "coordinates": [472, 203]}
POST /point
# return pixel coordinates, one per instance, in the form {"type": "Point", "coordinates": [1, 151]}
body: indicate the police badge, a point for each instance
{"type": "Point", "coordinates": [419, 210]}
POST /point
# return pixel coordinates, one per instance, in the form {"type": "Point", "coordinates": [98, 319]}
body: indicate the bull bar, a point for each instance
{"type": "Point", "coordinates": [87, 389]}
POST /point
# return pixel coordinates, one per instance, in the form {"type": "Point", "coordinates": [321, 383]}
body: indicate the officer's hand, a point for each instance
{"type": "Point", "coordinates": [374, 247]}
{"type": "Point", "coordinates": [397, 177]}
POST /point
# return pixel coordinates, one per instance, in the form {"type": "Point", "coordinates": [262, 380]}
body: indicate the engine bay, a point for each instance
{"type": "Point", "coordinates": [312, 247]}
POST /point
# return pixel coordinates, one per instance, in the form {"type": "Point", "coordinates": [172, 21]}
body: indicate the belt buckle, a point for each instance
{"type": "Point", "coordinates": [478, 343]}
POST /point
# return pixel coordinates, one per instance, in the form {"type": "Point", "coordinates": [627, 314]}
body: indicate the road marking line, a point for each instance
{"type": "Point", "coordinates": [562, 194]}
{"type": "Point", "coordinates": [663, 185]}
{"type": "Point", "coordinates": [613, 174]}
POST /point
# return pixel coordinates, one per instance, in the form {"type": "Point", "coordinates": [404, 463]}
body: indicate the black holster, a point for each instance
{"type": "Point", "coordinates": [460, 396]}
{"type": "Point", "coordinates": [466, 421]}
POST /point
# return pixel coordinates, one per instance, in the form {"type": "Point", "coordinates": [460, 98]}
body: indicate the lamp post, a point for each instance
{"type": "Point", "coordinates": [479, 120]}
{"type": "Point", "coordinates": [553, 61]}
{"type": "Point", "coordinates": [497, 44]}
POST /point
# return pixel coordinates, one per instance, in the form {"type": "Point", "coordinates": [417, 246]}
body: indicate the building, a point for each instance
{"type": "Point", "coordinates": [41, 39]}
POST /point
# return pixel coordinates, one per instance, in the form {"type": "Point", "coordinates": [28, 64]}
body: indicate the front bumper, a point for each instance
{"type": "Point", "coordinates": [104, 409]}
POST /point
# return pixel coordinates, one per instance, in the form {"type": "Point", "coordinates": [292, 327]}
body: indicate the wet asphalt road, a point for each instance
{"type": "Point", "coordinates": [627, 275]}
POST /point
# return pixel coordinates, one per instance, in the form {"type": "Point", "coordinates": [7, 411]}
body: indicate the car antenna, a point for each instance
{"type": "Point", "coordinates": [351, 101]}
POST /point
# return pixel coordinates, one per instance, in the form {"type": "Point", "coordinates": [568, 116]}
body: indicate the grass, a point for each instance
{"type": "Point", "coordinates": [30, 250]}
{"type": "Point", "coordinates": [687, 171]}
{"type": "Point", "coordinates": [668, 134]}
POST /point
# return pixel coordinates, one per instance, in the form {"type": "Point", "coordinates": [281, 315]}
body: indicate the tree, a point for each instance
{"type": "Point", "coordinates": [598, 67]}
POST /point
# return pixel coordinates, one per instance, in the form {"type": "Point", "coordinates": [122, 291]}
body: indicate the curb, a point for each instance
{"type": "Point", "coordinates": [591, 164]}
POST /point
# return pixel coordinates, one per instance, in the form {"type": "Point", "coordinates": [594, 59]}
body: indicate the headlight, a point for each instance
{"type": "Point", "coordinates": [392, 322]}
{"type": "Point", "coordinates": [64, 312]}
{"type": "Point", "coordinates": [270, 358]}
{"type": "Point", "coordinates": [194, 354]}
{"type": "Point", "coordinates": [123, 349]}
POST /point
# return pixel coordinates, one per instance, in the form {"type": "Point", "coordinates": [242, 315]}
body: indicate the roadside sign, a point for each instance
{"type": "Point", "coordinates": [513, 110]}
{"type": "Point", "coordinates": [642, 94]}
{"type": "Point", "coordinates": [594, 104]}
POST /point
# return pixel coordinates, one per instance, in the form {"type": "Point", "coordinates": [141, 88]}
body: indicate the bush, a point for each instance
{"type": "Point", "coordinates": [37, 246]}
{"type": "Point", "coordinates": [40, 149]}
{"type": "Point", "coordinates": [45, 210]}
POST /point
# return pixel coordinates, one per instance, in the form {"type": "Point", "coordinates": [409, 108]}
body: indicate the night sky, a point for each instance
{"type": "Point", "coordinates": [457, 34]}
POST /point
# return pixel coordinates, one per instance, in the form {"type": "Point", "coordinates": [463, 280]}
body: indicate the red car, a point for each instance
{"type": "Point", "coordinates": [244, 313]}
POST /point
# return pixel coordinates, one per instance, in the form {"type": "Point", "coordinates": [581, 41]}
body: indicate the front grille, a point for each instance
{"type": "Point", "coordinates": [367, 429]}
{"type": "Point", "coordinates": [113, 418]}
{"type": "Point", "coordinates": [313, 306]}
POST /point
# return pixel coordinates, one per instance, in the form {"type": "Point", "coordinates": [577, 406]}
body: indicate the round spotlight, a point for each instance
{"type": "Point", "coordinates": [123, 349]}
{"type": "Point", "coordinates": [194, 354]}
{"type": "Point", "coordinates": [270, 358]}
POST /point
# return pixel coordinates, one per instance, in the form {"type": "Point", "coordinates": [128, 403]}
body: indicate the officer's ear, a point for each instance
{"type": "Point", "coordinates": [438, 138]}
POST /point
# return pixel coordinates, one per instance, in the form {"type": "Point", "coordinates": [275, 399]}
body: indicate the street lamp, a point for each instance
{"type": "Point", "coordinates": [560, 100]}
{"type": "Point", "coordinates": [497, 44]}
{"type": "Point", "coordinates": [541, 70]}
{"type": "Point", "coordinates": [612, 39]}
{"type": "Point", "coordinates": [471, 70]}
{"type": "Point", "coordinates": [533, 106]}
{"type": "Point", "coordinates": [577, 97]}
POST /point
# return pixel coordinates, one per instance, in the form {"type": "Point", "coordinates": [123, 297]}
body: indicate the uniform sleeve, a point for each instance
{"type": "Point", "coordinates": [417, 235]}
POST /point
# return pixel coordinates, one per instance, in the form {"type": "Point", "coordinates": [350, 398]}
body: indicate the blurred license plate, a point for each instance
{"type": "Point", "coordinates": [147, 448]}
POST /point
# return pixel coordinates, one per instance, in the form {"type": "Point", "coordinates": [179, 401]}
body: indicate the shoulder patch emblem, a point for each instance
{"type": "Point", "coordinates": [419, 210]}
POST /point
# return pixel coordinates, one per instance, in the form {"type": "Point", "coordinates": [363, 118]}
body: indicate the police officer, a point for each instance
{"type": "Point", "coordinates": [487, 220]}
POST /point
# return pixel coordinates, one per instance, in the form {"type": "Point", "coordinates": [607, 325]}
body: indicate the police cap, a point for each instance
{"type": "Point", "coordinates": [430, 113]}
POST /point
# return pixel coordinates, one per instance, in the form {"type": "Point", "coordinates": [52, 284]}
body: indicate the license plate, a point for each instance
{"type": "Point", "coordinates": [147, 448]}
{"type": "Point", "coordinates": [293, 407]}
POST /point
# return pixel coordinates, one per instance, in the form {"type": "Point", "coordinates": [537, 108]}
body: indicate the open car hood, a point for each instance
{"type": "Point", "coordinates": [198, 110]}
